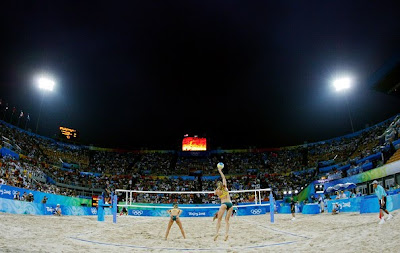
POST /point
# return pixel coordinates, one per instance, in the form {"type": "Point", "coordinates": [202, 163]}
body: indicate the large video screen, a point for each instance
{"type": "Point", "coordinates": [194, 144]}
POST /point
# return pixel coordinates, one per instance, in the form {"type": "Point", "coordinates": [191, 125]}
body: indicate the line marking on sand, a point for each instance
{"type": "Point", "coordinates": [76, 237]}
{"type": "Point", "coordinates": [181, 249]}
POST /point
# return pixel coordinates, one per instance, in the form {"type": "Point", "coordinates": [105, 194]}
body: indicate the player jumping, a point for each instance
{"type": "Point", "coordinates": [226, 205]}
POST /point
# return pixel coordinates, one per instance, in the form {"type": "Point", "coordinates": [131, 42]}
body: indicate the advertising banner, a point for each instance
{"type": "Point", "coordinates": [197, 212]}
{"type": "Point", "coordinates": [8, 192]}
{"type": "Point", "coordinates": [22, 207]}
{"type": "Point", "coordinates": [345, 205]}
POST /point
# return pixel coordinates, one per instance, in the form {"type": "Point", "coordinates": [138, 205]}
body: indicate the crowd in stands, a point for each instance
{"type": "Point", "coordinates": [282, 169]}
{"type": "Point", "coordinates": [24, 175]}
{"type": "Point", "coordinates": [57, 153]}
{"type": "Point", "coordinates": [155, 163]}
{"type": "Point", "coordinates": [20, 142]}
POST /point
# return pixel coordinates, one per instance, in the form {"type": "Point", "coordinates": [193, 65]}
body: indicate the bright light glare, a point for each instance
{"type": "Point", "coordinates": [290, 192]}
{"type": "Point", "coordinates": [285, 192]}
{"type": "Point", "coordinates": [46, 83]}
{"type": "Point", "coordinates": [296, 191]}
{"type": "Point", "coordinates": [342, 84]}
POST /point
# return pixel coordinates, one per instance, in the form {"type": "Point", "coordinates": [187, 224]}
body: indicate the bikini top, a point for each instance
{"type": "Point", "coordinates": [224, 193]}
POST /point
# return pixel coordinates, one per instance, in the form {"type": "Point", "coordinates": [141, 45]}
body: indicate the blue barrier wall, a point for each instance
{"type": "Point", "coordinates": [22, 207]}
{"type": "Point", "coordinates": [344, 167]}
{"type": "Point", "coordinates": [328, 168]}
{"type": "Point", "coordinates": [8, 192]}
{"type": "Point", "coordinates": [393, 202]}
{"type": "Point", "coordinates": [370, 158]}
{"type": "Point", "coordinates": [365, 204]}
{"type": "Point", "coordinates": [367, 167]}
{"type": "Point", "coordinates": [284, 209]}
{"type": "Point", "coordinates": [7, 152]}
{"type": "Point", "coordinates": [311, 209]}
{"type": "Point", "coordinates": [369, 205]}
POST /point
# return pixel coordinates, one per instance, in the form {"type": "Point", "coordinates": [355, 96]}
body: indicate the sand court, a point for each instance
{"type": "Point", "coordinates": [346, 232]}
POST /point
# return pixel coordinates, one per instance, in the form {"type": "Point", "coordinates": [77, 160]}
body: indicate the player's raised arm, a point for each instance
{"type": "Point", "coordinates": [223, 177]}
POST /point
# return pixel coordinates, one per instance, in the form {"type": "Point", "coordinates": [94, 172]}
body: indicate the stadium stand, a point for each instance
{"type": "Point", "coordinates": [35, 162]}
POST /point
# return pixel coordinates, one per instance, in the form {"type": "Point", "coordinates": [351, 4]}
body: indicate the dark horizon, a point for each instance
{"type": "Point", "coordinates": [141, 75]}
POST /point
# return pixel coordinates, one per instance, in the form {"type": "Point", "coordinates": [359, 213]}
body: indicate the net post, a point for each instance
{"type": "Point", "coordinates": [114, 208]}
{"type": "Point", "coordinates": [271, 206]}
{"type": "Point", "coordinates": [255, 197]}
{"type": "Point", "coordinates": [100, 210]}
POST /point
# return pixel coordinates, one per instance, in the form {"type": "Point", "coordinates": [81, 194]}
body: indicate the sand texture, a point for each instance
{"type": "Point", "coordinates": [346, 232]}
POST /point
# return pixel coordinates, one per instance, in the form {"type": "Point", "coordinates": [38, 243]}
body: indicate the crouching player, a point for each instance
{"type": "Point", "coordinates": [123, 211]}
{"type": "Point", "coordinates": [57, 210]}
{"type": "Point", "coordinates": [335, 209]}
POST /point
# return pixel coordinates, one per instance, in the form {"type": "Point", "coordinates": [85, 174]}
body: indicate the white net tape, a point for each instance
{"type": "Point", "coordinates": [258, 197]}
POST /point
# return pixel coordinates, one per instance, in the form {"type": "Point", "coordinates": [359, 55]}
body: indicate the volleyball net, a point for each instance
{"type": "Point", "coordinates": [193, 203]}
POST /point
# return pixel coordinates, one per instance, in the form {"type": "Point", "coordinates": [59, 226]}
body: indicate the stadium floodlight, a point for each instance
{"type": "Point", "coordinates": [290, 192]}
{"type": "Point", "coordinates": [285, 192]}
{"type": "Point", "coordinates": [342, 84]}
{"type": "Point", "coordinates": [46, 83]}
{"type": "Point", "coordinates": [296, 191]}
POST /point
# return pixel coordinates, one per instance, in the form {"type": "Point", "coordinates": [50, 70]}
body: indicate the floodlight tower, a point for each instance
{"type": "Point", "coordinates": [342, 85]}
{"type": "Point", "coordinates": [46, 84]}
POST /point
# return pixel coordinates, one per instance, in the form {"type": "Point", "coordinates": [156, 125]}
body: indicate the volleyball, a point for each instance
{"type": "Point", "coordinates": [220, 166]}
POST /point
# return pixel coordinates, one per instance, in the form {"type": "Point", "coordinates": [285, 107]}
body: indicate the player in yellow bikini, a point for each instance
{"type": "Point", "coordinates": [226, 205]}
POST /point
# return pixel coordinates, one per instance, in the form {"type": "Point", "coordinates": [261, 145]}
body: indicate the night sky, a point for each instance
{"type": "Point", "coordinates": [143, 73]}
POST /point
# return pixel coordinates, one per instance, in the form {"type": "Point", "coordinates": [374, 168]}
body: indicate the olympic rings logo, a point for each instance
{"type": "Point", "coordinates": [137, 212]}
{"type": "Point", "coordinates": [255, 211]}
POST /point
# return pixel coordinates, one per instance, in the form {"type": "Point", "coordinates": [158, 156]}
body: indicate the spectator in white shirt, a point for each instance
{"type": "Point", "coordinates": [57, 210]}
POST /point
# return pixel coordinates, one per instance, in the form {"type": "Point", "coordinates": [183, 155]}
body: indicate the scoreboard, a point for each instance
{"type": "Point", "coordinates": [68, 133]}
{"type": "Point", "coordinates": [95, 200]}
{"type": "Point", "coordinates": [194, 144]}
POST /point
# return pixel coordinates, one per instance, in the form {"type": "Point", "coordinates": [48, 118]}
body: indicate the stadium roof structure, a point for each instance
{"type": "Point", "coordinates": [387, 78]}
